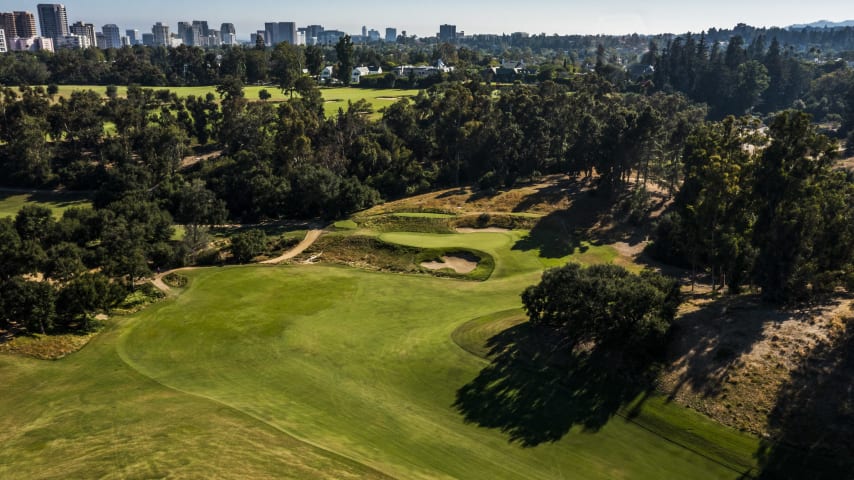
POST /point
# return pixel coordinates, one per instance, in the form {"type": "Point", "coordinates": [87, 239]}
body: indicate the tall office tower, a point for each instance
{"type": "Point", "coordinates": [288, 31]}
{"type": "Point", "coordinates": [112, 36]}
{"type": "Point", "coordinates": [148, 39]}
{"type": "Point", "coordinates": [364, 31]}
{"type": "Point", "coordinates": [7, 23]}
{"type": "Point", "coordinates": [447, 33]}
{"type": "Point", "coordinates": [185, 30]}
{"type": "Point", "coordinates": [203, 27]}
{"type": "Point", "coordinates": [278, 32]}
{"type": "Point", "coordinates": [53, 20]}
{"type": "Point", "coordinates": [227, 29]}
{"type": "Point", "coordinates": [100, 40]}
{"type": "Point", "coordinates": [84, 29]}
{"type": "Point", "coordinates": [390, 34]}
{"type": "Point", "coordinates": [259, 38]}
{"type": "Point", "coordinates": [161, 34]}
{"type": "Point", "coordinates": [3, 46]}
{"type": "Point", "coordinates": [25, 23]}
{"type": "Point", "coordinates": [133, 36]}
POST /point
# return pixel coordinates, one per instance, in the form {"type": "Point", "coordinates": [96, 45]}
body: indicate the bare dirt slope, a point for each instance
{"type": "Point", "coordinates": [733, 358]}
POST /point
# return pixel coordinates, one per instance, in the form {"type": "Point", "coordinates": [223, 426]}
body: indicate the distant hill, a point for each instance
{"type": "Point", "coordinates": [823, 24]}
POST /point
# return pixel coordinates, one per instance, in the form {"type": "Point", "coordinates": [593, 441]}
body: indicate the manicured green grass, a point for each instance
{"type": "Point", "coordinates": [313, 371]}
{"type": "Point", "coordinates": [334, 98]}
{"type": "Point", "coordinates": [11, 201]}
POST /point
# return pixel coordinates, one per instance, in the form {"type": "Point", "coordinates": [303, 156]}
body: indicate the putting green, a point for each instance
{"type": "Point", "coordinates": [316, 372]}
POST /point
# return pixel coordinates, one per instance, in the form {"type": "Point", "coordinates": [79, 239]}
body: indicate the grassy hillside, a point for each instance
{"type": "Point", "coordinates": [317, 371]}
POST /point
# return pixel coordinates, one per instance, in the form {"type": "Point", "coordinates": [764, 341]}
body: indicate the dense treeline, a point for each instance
{"type": "Point", "coordinates": [763, 208]}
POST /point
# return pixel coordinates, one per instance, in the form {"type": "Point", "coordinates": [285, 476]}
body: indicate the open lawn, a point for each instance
{"type": "Point", "coordinates": [334, 98]}
{"type": "Point", "coordinates": [12, 200]}
{"type": "Point", "coordinates": [321, 371]}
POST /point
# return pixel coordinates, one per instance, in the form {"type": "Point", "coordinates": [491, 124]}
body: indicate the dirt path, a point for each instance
{"type": "Point", "coordinates": [309, 239]}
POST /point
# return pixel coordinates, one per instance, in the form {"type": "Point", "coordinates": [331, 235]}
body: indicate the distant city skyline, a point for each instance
{"type": "Point", "coordinates": [477, 16]}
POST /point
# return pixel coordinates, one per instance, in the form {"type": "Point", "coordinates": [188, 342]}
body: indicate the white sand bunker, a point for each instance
{"type": "Point", "coordinates": [458, 262]}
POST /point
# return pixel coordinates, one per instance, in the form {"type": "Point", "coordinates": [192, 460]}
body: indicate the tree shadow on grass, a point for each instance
{"type": "Point", "coordinates": [536, 392]}
{"type": "Point", "coordinates": [812, 423]}
{"type": "Point", "coordinates": [553, 237]}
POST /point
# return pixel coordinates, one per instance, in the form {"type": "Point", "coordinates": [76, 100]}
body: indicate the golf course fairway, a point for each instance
{"type": "Point", "coordinates": [321, 371]}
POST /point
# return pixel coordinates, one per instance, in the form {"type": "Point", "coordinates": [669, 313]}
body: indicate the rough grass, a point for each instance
{"type": "Point", "coordinates": [12, 200]}
{"type": "Point", "coordinates": [46, 347]}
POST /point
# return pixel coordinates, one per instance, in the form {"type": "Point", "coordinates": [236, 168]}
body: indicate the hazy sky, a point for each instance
{"type": "Point", "coordinates": [474, 16]}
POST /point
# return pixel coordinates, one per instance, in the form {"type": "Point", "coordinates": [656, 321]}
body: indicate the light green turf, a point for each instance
{"type": "Point", "coordinates": [334, 98]}
{"type": "Point", "coordinates": [11, 201]}
{"type": "Point", "coordinates": [313, 371]}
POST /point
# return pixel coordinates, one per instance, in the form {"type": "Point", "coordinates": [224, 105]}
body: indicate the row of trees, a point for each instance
{"type": "Point", "coordinates": [763, 208]}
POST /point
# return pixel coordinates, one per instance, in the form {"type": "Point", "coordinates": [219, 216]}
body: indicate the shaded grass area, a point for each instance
{"type": "Point", "coordinates": [12, 200]}
{"type": "Point", "coordinates": [536, 392]}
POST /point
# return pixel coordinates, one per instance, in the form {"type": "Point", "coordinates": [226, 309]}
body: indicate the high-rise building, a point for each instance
{"type": "Point", "coordinates": [225, 30]}
{"type": "Point", "coordinates": [25, 24]}
{"type": "Point", "coordinates": [278, 32]}
{"type": "Point", "coordinates": [191, 34]}
{"type": "Point", "coordinates": [447, 33]}
{"type": "Point", "coordinates": [364, 31]}
{"type": "Point", "coordinates": [390, 34]}
{"type": "Point", "coordinates": [3, 47]}
{"type": "Point", "coordinates": [112, 36]}
{"type": "Point", "coordinates": [161, 34]}
{"type": "Point", "coordinates": [148, 39]}
{"type": "Point", "coordinates": [373, 35]}
{"type": "Point", "coordinates": [100, 40]}
{"type": "Point", "coordinates": [85, 29]}
{"type": "Point", "coordinates": [10, 31]}
{"type": "Point", "coordinates": [203, 27]}
{"type": "Point", "coordinates": [133, 36]}
{"type": "Point", "coordinates": [53, 20]}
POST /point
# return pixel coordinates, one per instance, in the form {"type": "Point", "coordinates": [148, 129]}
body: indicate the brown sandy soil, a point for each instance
{"type": "Point", "coordinates": [455, 263]}
{"type": "Point", "coordinates": [731, 357]}
{"type": "Point", "coordinates": [310, 237]}
{"type": "Point", "coordinates": [191, 160]}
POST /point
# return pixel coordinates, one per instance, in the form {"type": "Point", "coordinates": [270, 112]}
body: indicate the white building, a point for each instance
{"type": "Point", "coordinates": [3, 47]}
{"type": "Point", "coordinates": [360, 72]}
{"type": "Point", "coordinates": [33, 44]}
{"type": "Point", "coordinates": [326, 74]}
{"type": "Point", "coordinates": [74, 42]}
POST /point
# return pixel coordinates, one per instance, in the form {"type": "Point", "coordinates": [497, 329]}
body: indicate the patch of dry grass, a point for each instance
{"type": "Point", "coordinates": [46, 347]}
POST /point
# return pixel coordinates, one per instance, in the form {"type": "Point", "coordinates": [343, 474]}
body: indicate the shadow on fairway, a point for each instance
{"type": "Point", "coordinates": [535, 392]}
{"type": "Point", "coordinates": [812, 423]}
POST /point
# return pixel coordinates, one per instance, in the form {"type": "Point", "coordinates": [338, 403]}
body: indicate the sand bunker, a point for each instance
{"type": "Point", "coordinates": [458, 262]}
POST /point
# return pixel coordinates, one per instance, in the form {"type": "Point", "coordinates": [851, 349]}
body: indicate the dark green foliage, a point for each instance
{"type": "Point", "coordinates": [29, 304]}
{"type": "Point", "coordinates": [604, 304]}
{"type": "Point", "coordinates": [247, 245]}
{"type": "Point", "coordinates": [344, 49]}
{"type": "Point", "coordinates": [86, 295]}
